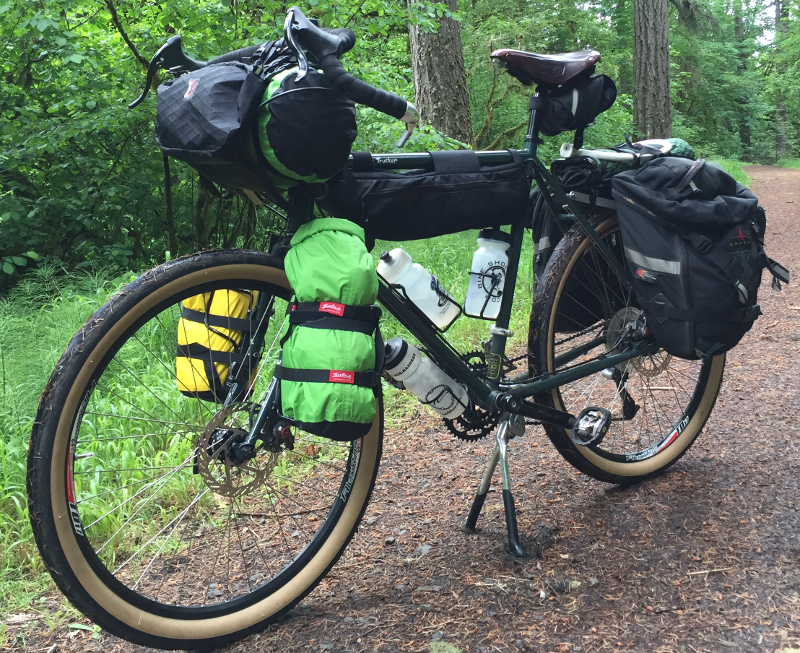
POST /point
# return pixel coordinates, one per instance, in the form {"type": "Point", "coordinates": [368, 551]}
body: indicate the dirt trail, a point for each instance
{"type": "Point", "coordinates": [705, 558]}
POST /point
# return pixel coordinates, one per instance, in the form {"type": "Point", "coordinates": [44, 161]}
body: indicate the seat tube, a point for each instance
{"type": "Point", "coordinates": [500, 331]}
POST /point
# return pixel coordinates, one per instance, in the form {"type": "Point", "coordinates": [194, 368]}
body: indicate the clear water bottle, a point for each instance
{"type": "Point", "coordinates": [424, 379]}
{"type": "Point", "coordinates": [488, 274]}
{"type": "Point", "coordinates": [421, 287]}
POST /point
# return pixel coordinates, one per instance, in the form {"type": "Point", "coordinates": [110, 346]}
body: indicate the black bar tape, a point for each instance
{"type": "Point", "coordinates": [243, 54]}
{"type": "Point", "coordinates": [361, 92]}
{"type": "Point", "coordinates": [346, 36]}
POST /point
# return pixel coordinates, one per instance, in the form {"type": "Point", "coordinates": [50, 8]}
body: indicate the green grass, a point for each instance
{"type": "Point", "coordinates": [36, 321]}
{"type": "Point", "coordinates": [733, 168]}
{"type": "Point", "coordinates": [40, 316]}
{"type": "Point", "coordinates": [789, 163]}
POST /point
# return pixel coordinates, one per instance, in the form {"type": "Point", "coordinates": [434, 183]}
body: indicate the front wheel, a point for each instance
{"type": "Point", "coordinates": [659, 403]}
{"type": "Point", "coordinates": [143, 523]}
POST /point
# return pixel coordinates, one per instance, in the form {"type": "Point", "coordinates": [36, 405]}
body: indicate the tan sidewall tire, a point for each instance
{"type": "Point", "coordinates": [690, 432]}
{"type": "Point", "coordinates": [196, 629]}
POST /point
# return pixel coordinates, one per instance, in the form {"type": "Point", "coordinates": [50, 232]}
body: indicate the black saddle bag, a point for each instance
{"type": "Point", "coordinates": [694, 240]}
{"type": "Point", "coordinates": [574, 105]}
{"type": "Point", "coordinates": [459, 194]}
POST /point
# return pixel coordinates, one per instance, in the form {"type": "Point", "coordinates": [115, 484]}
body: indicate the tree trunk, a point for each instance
{"type": "Point", "coordinates": [781, 28]}
{"type": "Point", "coordinates": [652, 111]}
{"type": "Point", "coordinates": [742, 55]}
{"type": "Point", "coordinates": [440, 80]}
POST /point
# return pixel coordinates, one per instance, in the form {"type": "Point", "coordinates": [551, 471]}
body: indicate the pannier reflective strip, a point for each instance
{"type": "Point", "coordinates": [651, 263]}
{"type": "Point", "coordinates": [211, 331]}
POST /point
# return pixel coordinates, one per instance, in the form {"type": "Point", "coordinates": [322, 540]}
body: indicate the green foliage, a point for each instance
{"type": "Point", "coordinates": [789, 163]}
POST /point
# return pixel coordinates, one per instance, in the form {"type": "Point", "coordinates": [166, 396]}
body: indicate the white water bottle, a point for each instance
{"type": "Point", "coordinates": [488, 274]}
{"type": "Point", "coordinates": [424, 379]}
{"type": "Point", "coordinates": [420, 286]}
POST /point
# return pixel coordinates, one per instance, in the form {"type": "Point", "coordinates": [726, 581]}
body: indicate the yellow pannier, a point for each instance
{"type": "Point", "coordinates": [213, 333]}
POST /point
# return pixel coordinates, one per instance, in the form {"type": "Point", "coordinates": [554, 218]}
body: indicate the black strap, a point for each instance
{"type": "Point", "coordinates": [449, 161]}
{"type": "Point", "coordinates": [368, 379]}
{"type": "Point", "coordinates": [688, 315]}
{"type": "Point", "coordinates": [219, 321]}
{"type": "Point", "coordinates": [332, 315]}
{"type": "Point", "coordinates": [315, 310]}
{"type": "Point", "coordinates": [196, 350]}
{"type": "Point", "coordinates": [362, 162]}
{"type": "Point", "coordinates": [332, 322]}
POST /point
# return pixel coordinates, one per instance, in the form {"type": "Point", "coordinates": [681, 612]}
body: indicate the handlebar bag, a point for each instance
{"type": "Point", "coordinates": [459, 194]}
{"type": "Point", "coordinates": [574, 105]}
{"type": "Point", "coordinates": [305, 128]}
{"type": "Point", "coordinates": [260, 131]}
{"type": "Point", "coordinates": [694, 239]}
{"type": "Point", "coordinates": [213, 333]}
{"type": "Point", "coordinates": [206, 119]}
{"type": "Point", "coordinates": [329, 372]}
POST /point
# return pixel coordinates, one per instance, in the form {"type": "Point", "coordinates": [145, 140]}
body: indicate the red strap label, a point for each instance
{"type": "Point", "coordinates": [338, 376]}
{"type": "Point", "coordinates": [331, 307]}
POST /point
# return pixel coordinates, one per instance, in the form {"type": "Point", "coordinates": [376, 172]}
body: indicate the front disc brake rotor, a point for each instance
{"type": "Point", "coordinates": [222, 476]}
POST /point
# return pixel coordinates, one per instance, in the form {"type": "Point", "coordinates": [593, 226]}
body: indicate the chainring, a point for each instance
{"type": "Point", "coordinates": [475, 422]}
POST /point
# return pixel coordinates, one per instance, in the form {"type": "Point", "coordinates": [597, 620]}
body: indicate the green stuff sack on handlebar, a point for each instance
{"type": "Point", "coordinates": [305, 128]}
{"type": "Point", "coordinates": [329, 369]}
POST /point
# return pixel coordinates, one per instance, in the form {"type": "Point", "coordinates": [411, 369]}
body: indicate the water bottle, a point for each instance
{"type": "Point", "coordinates": [424, 379]}
{"type": "Point", "coordinates": [488, 274]}
{"type": "Point", "coordinates": [420, 286]}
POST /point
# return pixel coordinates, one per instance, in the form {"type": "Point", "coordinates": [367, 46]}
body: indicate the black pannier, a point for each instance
{"type": "Point", "coordinates": [459, 194]}
{"type": "Point", "coordinates": [693, 238]}
{"type": "Point", "coordinates": [574, 105]}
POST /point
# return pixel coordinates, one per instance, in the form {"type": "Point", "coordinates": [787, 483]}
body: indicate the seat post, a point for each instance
{"type": "Point", "coordinates": [532, 139]}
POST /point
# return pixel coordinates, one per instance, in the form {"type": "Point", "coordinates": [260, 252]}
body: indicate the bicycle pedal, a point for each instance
{"type": "Point", "coordinates": [591, 426]}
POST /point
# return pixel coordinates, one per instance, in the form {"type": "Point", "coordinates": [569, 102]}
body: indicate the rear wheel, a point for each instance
{"type": "Point", "coordinates": [658, 403]}
{"type": "Point", "coordinates": [143, 523]}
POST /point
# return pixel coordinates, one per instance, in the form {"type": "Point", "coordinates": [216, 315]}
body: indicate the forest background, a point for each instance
{"type": "Point", "coordinates": [82, 182]}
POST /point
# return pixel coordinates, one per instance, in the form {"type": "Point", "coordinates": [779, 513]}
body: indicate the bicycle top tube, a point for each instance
{"type": "Point", "coordinates": [415, 160]}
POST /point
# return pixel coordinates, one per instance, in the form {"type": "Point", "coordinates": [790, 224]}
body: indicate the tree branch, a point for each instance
{"type": "Point", "coordinates": [115, 19]}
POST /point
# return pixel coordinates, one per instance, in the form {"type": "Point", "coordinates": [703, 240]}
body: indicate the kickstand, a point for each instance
{"type": "Point", "coordinates": [500, 454]}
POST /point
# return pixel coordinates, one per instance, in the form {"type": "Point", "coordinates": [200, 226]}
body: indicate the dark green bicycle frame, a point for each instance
{"type": "Point", "coordinates": [491, 394]}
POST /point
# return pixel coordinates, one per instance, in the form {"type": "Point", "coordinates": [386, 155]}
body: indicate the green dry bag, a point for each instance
{"type": "Point", "coordinates": [328, 369]}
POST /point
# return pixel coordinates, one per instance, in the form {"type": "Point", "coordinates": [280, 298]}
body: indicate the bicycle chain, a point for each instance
{"type": "Point", "coordinates": [574, 336]}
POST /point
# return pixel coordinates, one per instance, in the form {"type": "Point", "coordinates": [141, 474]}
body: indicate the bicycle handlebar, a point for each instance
{"type": "Point", "coordinates": [326, 46]}
{"type": "Point", "coordinates": [302, 36]}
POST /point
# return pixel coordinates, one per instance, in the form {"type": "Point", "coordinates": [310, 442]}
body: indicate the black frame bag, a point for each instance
{"type": "Point", "coordinates": [459, 194]}
{"type": "Point", "coordinates": [694, 240]}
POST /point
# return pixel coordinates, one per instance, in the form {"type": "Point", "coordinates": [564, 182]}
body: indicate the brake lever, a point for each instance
{"type": "Point", "coordinates": [171, 58]}
{"type": "Point", "coordinates": [411, 118]}
{"type": "Point", "coordinates": [302, 59]}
